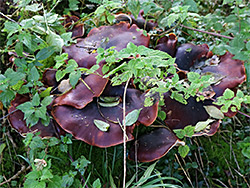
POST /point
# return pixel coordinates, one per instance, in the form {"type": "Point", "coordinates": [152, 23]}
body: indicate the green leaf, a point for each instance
{"type": "Point", "coordinates": [180, 133]}
{"type": "Point", "coordinates": [41, 112]}
{"type": "Point", "coordinates": [34, 7]}
{"type": "Point", "coordinates": [74, 77]}
{"type": "Point", "coordinates": [101, 125]}
{"type": "Point", "coordinates": [109, 104]}
{"type": "Point", "coordinates": [55, 40]}
{"type": "Point", "coordinates": [183, 150]}
{"type": "Point", "coordinates": [146, 174]}
{"type": "Point", "coordinates": [132, 117]}
{"type": "Point", "coordinates": [46, 174]}
{"type": "Point", "coordinates": [202, 125]}
{"type": "Point", "coordinates": [59, 75]}
{"type": "Point", "coordinates": [189, 130]}
{"type": "Point", "coordinates": [228, 94]}
{"type": "Point", "coordinates": [105, 69]}
{"type": "Point", "coordinates": [19, 49]}
{"type": "Point", "coordinates": [214, 112]}
{"type": "Point", "coordinates": [134, 6]}
{"type": "Point", "coordinates": [112, 183]}
{"type": "Point", "coordinates": [46, 92]}
{"type": "Point", "coordinates": [33, 74]}
{"type": "Point", "coordinates": [25, 38]}
{"type": "Point", "coordinates": [46, 101]}
{"type": "Point", "coordinates": [193, 76]}
{"type": "Point", "coordinates": [248, 45]}
{"type": "Point", "coordinates": [97, 183]}
{"type": "Point", "coordinates": [2, 147]}
{"type": "Point", "coordinates": [36, 100]}
{"type": "Point", "coordinates": [162, 115]}
{"type": "Point", "coordinates": [110, 18]}
{"type": "Point", "coordinates": [45, 53]}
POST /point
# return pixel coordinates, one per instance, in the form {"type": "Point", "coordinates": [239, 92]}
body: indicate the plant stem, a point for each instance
{"type": "Point", "coordinates": [72, 160]}
{"type": "Point", "coordinates": [244, 114]}
{"type": "Point", "coordinates": [124, 134]}
{"type": "Point", "coordinates": [207, 32]}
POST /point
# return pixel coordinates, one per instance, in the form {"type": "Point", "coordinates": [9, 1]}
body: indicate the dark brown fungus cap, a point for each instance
{"type": "Point", "coordinates": [83, 93]}
{"type": "Point", "coordinates": [118, 35]}
{"type": "Point", "coordinates": [232, 70]}
{"type": "Point", "coordinates": [134, 100]}
{"type": "Point", "coordinates": [77, 30]}
{"type": "Point", "coordinates": [180, 115]}
{"type": "Point", "coordinates": [142, 23]}
{"type": "Point", "coordinates": [80, 123]}
{"type": "Point", "coordinates": [49, 78]}
{"type": "Point", "coordinates": [153, 146]}
{"type": "Point", "coordinates": [187, 54]}
{"type": "Point", "coordinates": [16, 119]}
{"type": "Point", "coordinates": [167, 44]}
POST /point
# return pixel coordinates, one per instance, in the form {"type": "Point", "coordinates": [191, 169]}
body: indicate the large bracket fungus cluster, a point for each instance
{"type": "Point", "coordinates": [84, 111]}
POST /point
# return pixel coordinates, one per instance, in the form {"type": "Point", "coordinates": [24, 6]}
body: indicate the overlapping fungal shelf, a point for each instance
{"type": "Point", "coordinates": [76, 110]}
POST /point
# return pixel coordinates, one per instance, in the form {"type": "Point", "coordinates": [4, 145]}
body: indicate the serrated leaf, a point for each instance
{"type": "Point", "coordinates": [101, 125]}
{"type": "Point", "coordinates": [46, 101]}
{"type": "Point", "coordinates": [41, 113]}
{"type": "Point", "coordinates": [132, 117]}
{"type": "Point", "coordinates": [201, 125]}
{"type": "Point", "coordinates": [228, 94]}
{"type": "Point", "coordinates": [214, 112]}
{"type": "Point", "coordinates": [55, 40]}
{"type": "Point", "coordinates": [36, 100]}
{"type": "Point", "coordinates": [19, 49]}
{"type": "Point", "coordinates": [45, 53]}
{"type": "Point", "coordinates": [33, 74]}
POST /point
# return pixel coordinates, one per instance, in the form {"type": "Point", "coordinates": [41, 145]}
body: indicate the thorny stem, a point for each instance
{"type": "Point", "coordinates": [207, 32]}
{"type": "Point", "coordinates": [72, 160]}
{"type": "Point", "coordinates": [124, 134]}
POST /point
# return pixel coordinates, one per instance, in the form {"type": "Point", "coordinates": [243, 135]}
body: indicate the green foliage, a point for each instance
{"type": "Point", "coordinates": [37, 37]}
{"type": "Point", "coordinates": [231, 101]}
{"type": "Point", "coordinates": [245, 146]}
{"type": "Point", "coordinates": [35, 110]}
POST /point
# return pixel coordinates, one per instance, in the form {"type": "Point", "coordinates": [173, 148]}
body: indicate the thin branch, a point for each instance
{"type": "Point", "coordinates": [176, 156]}
{"type": "Point", "coordinates": [124, 135]}
{"type": "Point", "coordinates": [207, 32]}
{"type": "Point", "coordinates": [16, 175]}
{"type": "Point", "coordinates": [9, 18]}
{"type": "Point", "coordinates": [8, 114]}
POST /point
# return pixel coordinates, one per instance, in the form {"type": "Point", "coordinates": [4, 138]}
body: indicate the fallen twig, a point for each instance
{"type": "Point", "coordinates": [24, 168]}
{"type": "Point", "coordinates": [207, 32]}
